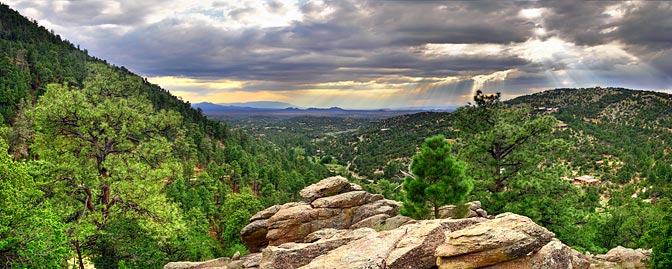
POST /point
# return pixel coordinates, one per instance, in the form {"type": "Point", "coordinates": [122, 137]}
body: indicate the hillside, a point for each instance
{"type": "Point", "coordinates": [99, 166]}
{"type": "Point", "coordinates": [627, 128]}
{"type": "Point", "coordinates": [383, 148]}
{"type": "Point", "coordinates": [613, 105]}
{"type": "Point", "coordinates": [629, 157]}
{"type": "Point", "coordinates": [116, 170]}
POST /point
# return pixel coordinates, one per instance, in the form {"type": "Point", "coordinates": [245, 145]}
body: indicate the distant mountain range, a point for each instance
{"type": "Point", "coordinates": [260, 104]}
{"type": "Point", "coordinates": [271, 106]}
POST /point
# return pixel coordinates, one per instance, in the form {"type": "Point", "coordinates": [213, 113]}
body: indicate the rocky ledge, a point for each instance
{"type": "Point", "coordinates": [341, 226]}
{"type": "Point", "coordinates": [331, 203]}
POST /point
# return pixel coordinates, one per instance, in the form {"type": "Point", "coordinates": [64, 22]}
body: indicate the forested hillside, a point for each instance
{"type": "Point", "coordinates": [115, 170]}
{"type": "Point", "coordinates": [98, 165]}
{"type": "Point", "coordinates": [622, 135]}
{"type": "Point", "coordinates": [618, 136]}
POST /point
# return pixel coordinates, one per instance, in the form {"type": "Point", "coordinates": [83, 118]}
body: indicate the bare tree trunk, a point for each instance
{"type": "Point", "coordinates": [79, 255]}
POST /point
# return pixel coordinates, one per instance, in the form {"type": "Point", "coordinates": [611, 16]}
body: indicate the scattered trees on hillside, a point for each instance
{"type": "Point", "coordinates": [500, 141]}
{"type": "Point", "coordinates": [438, 179]}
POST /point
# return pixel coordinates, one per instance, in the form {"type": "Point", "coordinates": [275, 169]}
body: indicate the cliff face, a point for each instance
{"type": "Point", "coordinates": [341, 226]}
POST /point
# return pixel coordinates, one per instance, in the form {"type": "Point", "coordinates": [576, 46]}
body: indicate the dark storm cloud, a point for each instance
{"type": "Point", "coordinates": [381, 41]}
{"type": "Point", "coordinates": [650, 25]}
{"type": "Point", "coordinates": [644, 27]}
{"type": "Point", "coordinates": [580, 23]}
{"type": "Point", "coordinates": [646, 23]}
{"type": "Point", "coordinates": [377, 35]}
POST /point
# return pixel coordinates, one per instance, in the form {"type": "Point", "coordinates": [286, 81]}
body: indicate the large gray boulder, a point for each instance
{"type": "Point", "coordinates": [295, 255]}
{"type": "Point", "coordinates": [507, 237]}
{"type": "Point", "coordinates": [554, 255]}
{"type": "Point", "coordinates": [452, 211]}
{"type": "Point", "coordinates": [327, 187]}
{"type": "Point", "coordinates": [623, 257]}
{"type": "Point", "coordinates": [409, 246]}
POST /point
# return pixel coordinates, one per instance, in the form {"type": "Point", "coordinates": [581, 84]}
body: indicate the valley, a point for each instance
{"type": "Point", "coordinates": [100, 167]}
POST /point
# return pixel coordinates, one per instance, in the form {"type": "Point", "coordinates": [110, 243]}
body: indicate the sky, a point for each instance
{"type": "Point", "coordinates": [370, 54]}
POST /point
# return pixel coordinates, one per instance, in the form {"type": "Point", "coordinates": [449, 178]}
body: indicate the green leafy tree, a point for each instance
{"type": "Point", "coordinates": [662, 252]}
{"type": "Point", "coordinates": [237, 210]}
{"type": "Point", "coordinates": [108, 154]}
{"type": "Point", "coordinates": [438, 179]}
{"type": "Point", "coordinates": [31, 234]}
{"type": "Point", "coordinates": [500, 140]}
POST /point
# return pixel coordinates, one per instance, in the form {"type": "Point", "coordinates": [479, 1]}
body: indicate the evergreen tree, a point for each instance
{"type": "Point", "coordinates": [23, 211]}
{"type": "Point", "coordinates": [438, 179]}
{"type": "Point", "coordinates": [662, 252]}
{"type": "Point", "coordinates": [109, 157]}
{"type": "Point", "coordinates": [500, 140]}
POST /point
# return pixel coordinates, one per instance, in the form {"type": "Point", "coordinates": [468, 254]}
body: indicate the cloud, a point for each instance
{"type": "Point", "coordinates": [414, 51]}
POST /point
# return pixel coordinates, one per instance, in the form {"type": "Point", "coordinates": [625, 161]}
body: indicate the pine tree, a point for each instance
{"type": "Point", "coordinates": [109, 157]}
{"type": "Point", "coordinates": [438, 179]}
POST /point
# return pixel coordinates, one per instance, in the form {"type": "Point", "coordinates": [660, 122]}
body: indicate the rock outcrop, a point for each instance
{"type": "Point", "coordinates": [623, 258]}
{"type": "Point", "coordinates": [341, 226]}
{"type": "Point", "coordinates": [332, 203]}
{"type": "Point", "coordinates": [295, 255]}
{"type": "Point", "coordinates": [507, 237]}
{"type": "Point", "coordinates": [409, 246]}
{"type": "Point", "coordinates": [328, 187]}
{"type": "Point", "coordinates": [451, 211]}
{"type": "Point", "coordinates": [553, 255]}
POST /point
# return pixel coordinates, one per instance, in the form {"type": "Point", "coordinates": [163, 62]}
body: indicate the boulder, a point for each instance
{"type": "Point", "coordinates": [327, 187]}
{"type": "Point", "coordinates": [553, 255]}
{"type": "Point", "coordinates": [290, 224]}
{"type": "Point", "coordinates": [375, 222]}
{"type": "Point", "coordinates": [367, 252]}
{"type": "Point", "coordinates": [294, 255]}
{"type": "Point", "coordinates": [623, 257]}
{"type": "Point", "coordinates": [416, 248]}
{"type": "Point", "coordinates": [335, 203]}
{"type": "Point", "coordinates": [385, 206]}
{"type": "Point", "coordinates": [346, 200]}
{"type": "Point", "coordinates": [396, 222]}
{"type": "Point", "coordinates": [507, 237]}
{"type": "Point", "coordinates": [268, 212]}
{"type": "Point", "coordinates": [451, 225]}
{"type": "Point", "coordinates": [451, 211]}
{"type": "Point", "coordinates": [250, 261]}
{"type": "Point", "coordinates": [620, 254]}
{"type": "Point", "coordinates": [409, 246]}
{"type": "Point", "coordinates": [254, 235]}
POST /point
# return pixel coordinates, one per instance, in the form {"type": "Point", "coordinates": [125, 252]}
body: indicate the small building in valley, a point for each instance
{"type": "Point", "coordinates": [586, 180]}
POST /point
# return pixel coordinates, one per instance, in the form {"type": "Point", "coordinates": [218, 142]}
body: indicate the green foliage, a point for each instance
{"type": "Point", "coordinates": [439, 179]}
{"type": "Point", "coordinates": [501, 141]}
{"type": "Point", "coordinates": [125, 241]}
{"type": "Point", "coordinates": [109, 154]}
{"type": "Point", "coordinates": [238, 208]}
{"type": "Point", "coordinates": [555, 204]}
{"type": "Point", "coordinates": [31, 234]}
{"type": "Point", "coordinates": [662, 252]}
{"type": "Point", "coordinates": [116, 156]}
